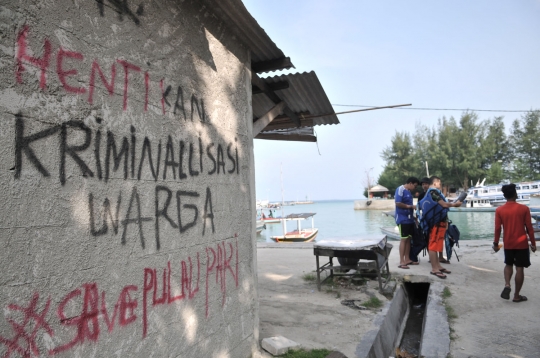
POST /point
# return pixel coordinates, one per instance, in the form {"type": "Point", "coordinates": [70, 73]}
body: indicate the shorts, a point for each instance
{"type": "Point", "coordinates": [406, 231]}
{"type": "Point", "coordinates": [517, 257]}
{"type": "Point", "coordinates": [436, 237]}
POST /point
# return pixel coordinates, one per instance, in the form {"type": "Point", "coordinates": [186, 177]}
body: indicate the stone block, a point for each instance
{"type": "Point", "coordinates": [278, 345]}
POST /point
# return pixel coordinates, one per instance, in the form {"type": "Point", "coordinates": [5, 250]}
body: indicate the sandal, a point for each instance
{"type": "Point", "coordinates": [413, 263]}
{"type": "Point", "coordinates": [520, 299]}
{"type": "Point", "coordinates": [443, 270]}
{"type": "Point", "coordinates": [403, 267]}
{"type": "Point", "coordinates": [506, 293]}
{"type": "Point", "coordinates": [444, 261]}
{"type": "Point", "coordinates": [439, 274]}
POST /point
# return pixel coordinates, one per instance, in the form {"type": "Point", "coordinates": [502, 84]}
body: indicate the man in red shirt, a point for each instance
{"type": "Point", "coordinates": [516, 221]}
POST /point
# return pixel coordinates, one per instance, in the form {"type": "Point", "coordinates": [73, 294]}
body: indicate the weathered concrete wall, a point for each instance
{"type": "Point", "coordinates": [126, 174]}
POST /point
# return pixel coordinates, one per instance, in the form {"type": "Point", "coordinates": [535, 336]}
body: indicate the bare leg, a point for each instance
{"type": "Point", "coordinates": [435, 266]}
{"type": "Point", "coordinates": [508, 272]}
{"type": "Point", "coordinates": [402, 246]}
{"type": "Point", "coordinates": [407, 256]}
{"type": "Point", "coordinates": [520, 277]}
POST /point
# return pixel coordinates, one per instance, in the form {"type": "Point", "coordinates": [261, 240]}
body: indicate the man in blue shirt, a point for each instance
{"type": "Point", "coordinates": [405, 219]}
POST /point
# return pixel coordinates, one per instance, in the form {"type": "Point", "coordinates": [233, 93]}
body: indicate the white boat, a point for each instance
{"type": "Point", "coordinates": [298, 235]}
{"type": "Point", "coordinates": [392, 233]}
{"type": "Point", "coordinates": [269, 219]}
{"type": "Point", "coordinates": [260, 226]}
{"type": "Point", "coordinates": [477, 205]}
{"type": "Point", "coordinates": [494, 194]}
{"type": "Point", "coordinates": [534, 204]}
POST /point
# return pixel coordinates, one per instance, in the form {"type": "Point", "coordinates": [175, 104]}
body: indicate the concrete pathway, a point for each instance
{"type": "Point", "coordinates": [486, 325]}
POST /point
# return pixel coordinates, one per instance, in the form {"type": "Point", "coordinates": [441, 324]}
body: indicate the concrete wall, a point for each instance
{"type": "Point", "coordinates": [127, 184]}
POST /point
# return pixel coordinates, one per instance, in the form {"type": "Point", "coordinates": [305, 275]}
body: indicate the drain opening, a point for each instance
{"type": "Point", "coordinates": [412, 334]}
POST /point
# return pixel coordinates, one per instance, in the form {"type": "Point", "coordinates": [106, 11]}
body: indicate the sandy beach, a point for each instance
{"type": "Point", "coordinates": [485, 326]}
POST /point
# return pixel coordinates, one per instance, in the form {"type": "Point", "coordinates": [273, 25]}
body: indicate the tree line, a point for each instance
{"type": "Point", "coordinates": [464, 151]}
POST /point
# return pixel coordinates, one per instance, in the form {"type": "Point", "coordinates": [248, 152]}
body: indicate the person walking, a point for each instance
{"type": "Point", "coordinates": [405, 219]}
{"type": "Point", "coordinates": [515, 219]}
{"type": "Point", "coordinates": [434, 208]}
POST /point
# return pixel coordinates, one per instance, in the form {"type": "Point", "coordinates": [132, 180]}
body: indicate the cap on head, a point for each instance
{"type": "Point", "coordinates": [509, 191]}
{"type": "Point", "coordinates": [424, 180]}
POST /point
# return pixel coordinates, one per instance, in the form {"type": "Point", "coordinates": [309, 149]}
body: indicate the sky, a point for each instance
{"type": "Point", "coordinates": [460, 54]}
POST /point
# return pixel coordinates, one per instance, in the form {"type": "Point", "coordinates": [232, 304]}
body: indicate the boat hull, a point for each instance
{"type": "Point", "coordinates": [271, 221]}
{"type": "Point", "coordinates": [475, 209]}
{"type": "Point", "coordinates": [391, 233]}
{"type": "Point", "coordinates": [295, 236]}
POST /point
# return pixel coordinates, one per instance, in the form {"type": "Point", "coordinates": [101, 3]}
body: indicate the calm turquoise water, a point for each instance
{"type": "Point", "coordinates": [337, 219]}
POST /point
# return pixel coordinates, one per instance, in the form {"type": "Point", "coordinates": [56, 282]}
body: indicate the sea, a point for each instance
{"type": "Point", "coordinates": [337, 219]}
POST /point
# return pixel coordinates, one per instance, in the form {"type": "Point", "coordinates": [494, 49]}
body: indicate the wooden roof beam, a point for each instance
{"type": "Point", "coordinates": [273, 86]}
{"type": "Point", "coordinates": [290, 137]}
{"type": "Point", "coordinates": [263, 122]}
{"type": "Point", "coordinates": [281, 63]}
{"type": "Point", "coordinates": [259, 82]}
{"type": "Point", "coordinates": [287, 125]}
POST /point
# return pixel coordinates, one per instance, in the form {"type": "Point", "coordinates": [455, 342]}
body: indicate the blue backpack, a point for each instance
{"type": "Point", "coordinates": [429, 212]}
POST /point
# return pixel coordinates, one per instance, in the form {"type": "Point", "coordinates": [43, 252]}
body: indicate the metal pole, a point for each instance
{"type": "Point", "coordinates": [356, 110]}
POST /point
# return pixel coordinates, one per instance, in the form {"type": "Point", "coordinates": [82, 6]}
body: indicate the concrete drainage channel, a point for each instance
{"type": "Point", "coordinates": [414, 321]}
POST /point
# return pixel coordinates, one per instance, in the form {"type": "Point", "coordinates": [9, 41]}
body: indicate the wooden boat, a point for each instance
{"type": "Point", "coordinates": [298, 235]}
{"type": "Point", "coordinates": [267, 219]}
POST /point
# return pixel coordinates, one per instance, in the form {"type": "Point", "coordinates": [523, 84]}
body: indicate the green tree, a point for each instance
{"type": "Point", "coordinates": [400, 158]}
{"type": "Point", "coordinates": [390, 180]}
{"type": "Point", "coordinates": [464, 151]}
{"type": "Point", "coordinates": [495, 150]}
{"type": "Point", "coordinates": [525, 143]}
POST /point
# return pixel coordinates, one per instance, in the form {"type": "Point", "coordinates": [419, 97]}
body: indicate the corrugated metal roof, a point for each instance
{"type": "Point", "coordinates": [304, 96]}
{"type": "Point", "coordinates": [238, 18]}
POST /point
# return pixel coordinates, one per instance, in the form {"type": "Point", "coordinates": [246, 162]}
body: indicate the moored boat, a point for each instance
{"type": "Point", "coordinates": [392, 233]}
{"type": "Point", "coordinates": [260, 226]}
{"type": "Point", "coordinates": [476, 205]}
{"type": "Point", "coordinates": [298, 235]}
{"type": "Point", "coordinates": [270, 218]}
{"type": "Point", "coordinates": [494, 194]}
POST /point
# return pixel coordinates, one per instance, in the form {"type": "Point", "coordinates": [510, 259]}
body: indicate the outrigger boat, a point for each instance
{"type": "Point", "coordinates": [298, 235]}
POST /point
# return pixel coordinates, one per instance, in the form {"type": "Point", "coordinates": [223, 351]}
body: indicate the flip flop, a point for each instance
{"type": "Point", "coordinates": [521, 299]}
{"type": "Point", "coordinates": [413, 263]}
{"type": "Point", "coordinates": [439, 274]}
{"type": "Point", "coordinates": [443, 270]}
{"type": "Point", "coordinates": [444, 261]}
{"type": "Point", "coordinates": [403, 267]}
{"type": "Point", "coordinates": [506, 293]}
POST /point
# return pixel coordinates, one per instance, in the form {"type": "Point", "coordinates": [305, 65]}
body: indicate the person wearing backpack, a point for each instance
{"type": "Point", "coordinates": [434, 221]}
{"type": "Point", "coordinates": [515, 219]}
